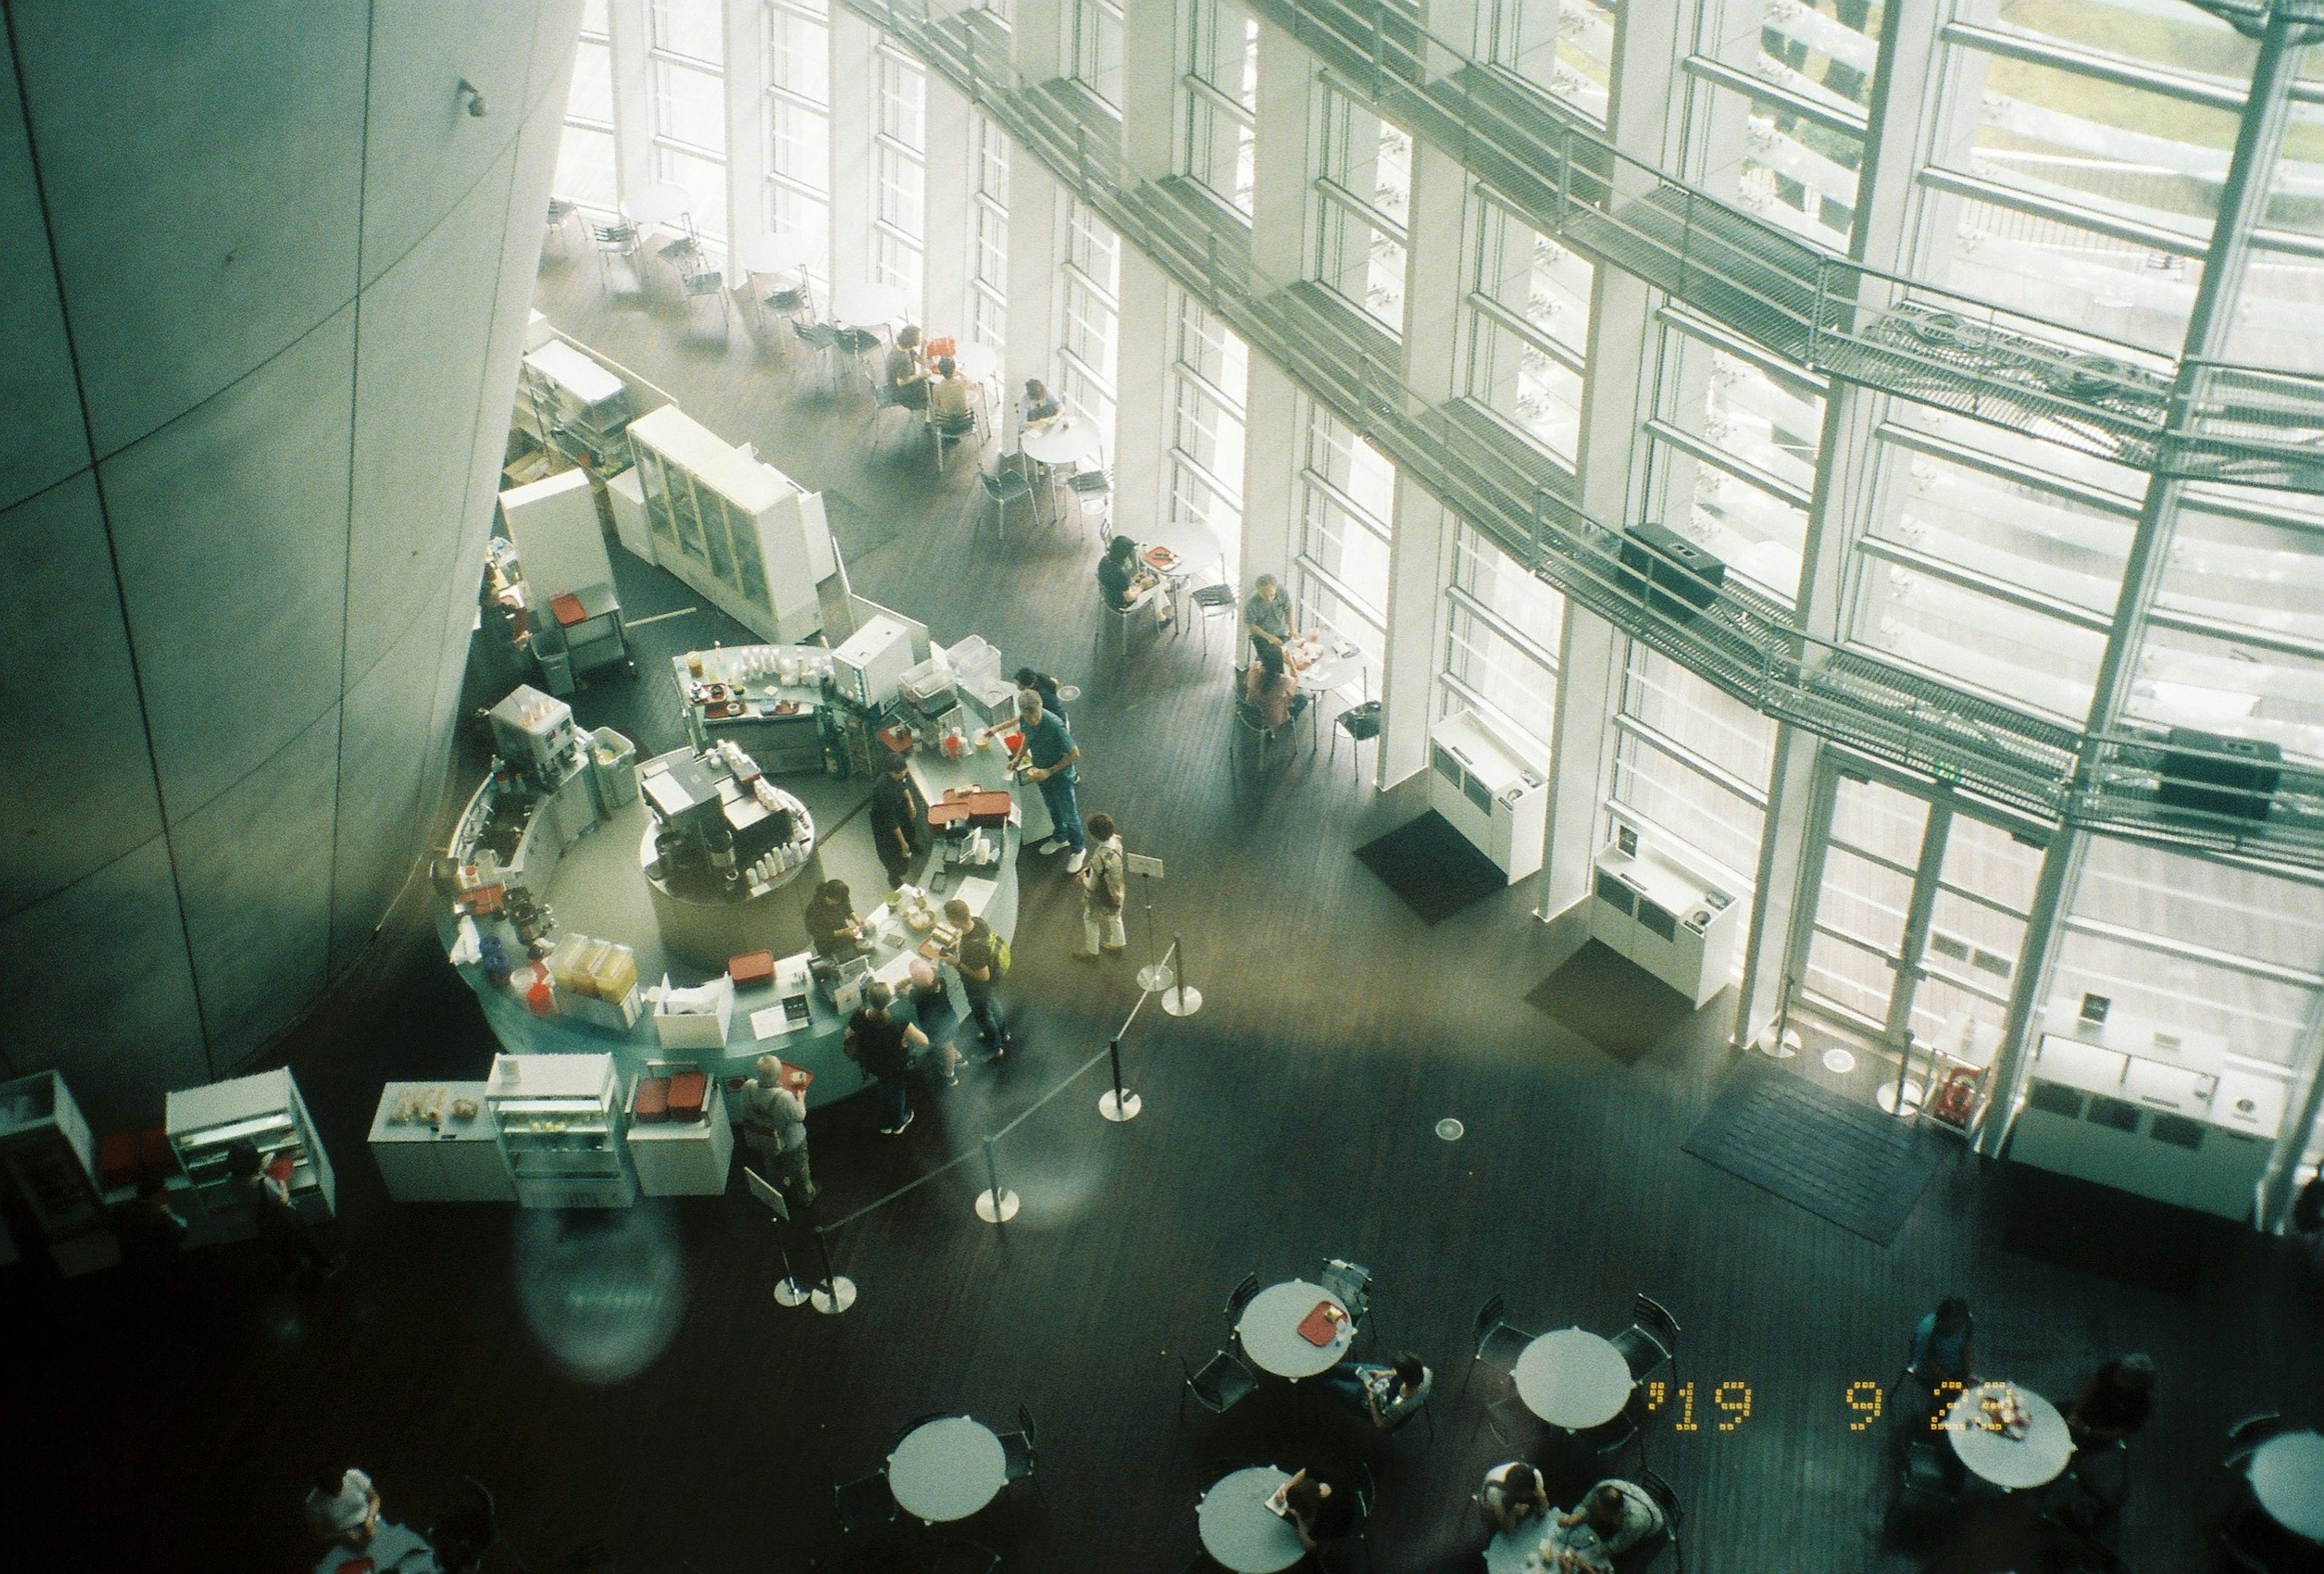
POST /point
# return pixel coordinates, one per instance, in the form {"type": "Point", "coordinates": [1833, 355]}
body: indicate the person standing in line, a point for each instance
{"type": "Point", "coordinates": [281, 1230]}
{"type": "Point", "coordinates": [774, 1123]}
{"type": "Point", "coordinates": [1047, 760]}
{"type": "Point", "coordinates": [976, 957]}
{"type": "Point", "coordinates": [899, 818]}
{"type": "Point", "coordinates": [884, 1046]}
{"type": "Point", "coordinates": [1105, 891]}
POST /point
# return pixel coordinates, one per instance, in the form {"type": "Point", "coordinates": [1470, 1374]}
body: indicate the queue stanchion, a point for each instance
{"type": "Point", "coordinates": [1184, 1000]}
{"type": "Point", "coordinates": [789, 1291]}
{"type": "Point", "coordinates": [1155, 975]}
{"type": "Point", "coordinates": [836, 1293]}
{"type": "Point", "coordinates": [1114, 1104]}
{"type": "Point", "coordinates": [994, 1205]}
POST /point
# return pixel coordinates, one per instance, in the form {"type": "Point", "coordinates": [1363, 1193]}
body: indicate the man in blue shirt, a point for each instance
{"type": "Point", "coordinates": [1048, 757]}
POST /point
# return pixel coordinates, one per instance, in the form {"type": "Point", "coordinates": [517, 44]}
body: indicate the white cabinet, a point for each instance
{"type": "Point", "coordinates": [557, 1118]}
{"type": "Point", "coordinates": [738, 530]}
{"type": "Point", "coordinates": [1667, 919]}
{"type": "Point", "coordinates": [266, 1109]}
{"type": "Point", "coordinates": [443, 1159]}
{"type": "Point", "coordinates": [1490, 796]}
{"type": "Point", "coordinates": [49, 1158]}
{"type": "Point", "coordinates": [683, 1158]}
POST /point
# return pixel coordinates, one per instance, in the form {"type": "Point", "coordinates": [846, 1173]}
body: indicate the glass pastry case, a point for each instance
{"type": "Point", "coordinates": [557, 1118]}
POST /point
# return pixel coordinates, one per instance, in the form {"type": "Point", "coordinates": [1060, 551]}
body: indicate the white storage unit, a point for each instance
{"type": "Point", "coordinates": [683, 1158]}
{"type": "Point", "coordinates": [869, 667]}
{"type": "Point", "coordinates": [1493, 797]}
{"type": "Point", "coordinates": [2140, 1106]}
{"type": "Point", "coordinates": [49, 1157]}
{"type": "Point", "coordinates": [738, 530]}
{"type": "Point", "coordinates": [448, 1160]}
{"type": "Point", "coordinates": [572, 402]}
{"type": "Point", "coordinates": [554, 524]}
{"type": "Point", "coordinates": [202, 1123]}
{"type": "Point", "coordinates": [625, 494]}
{"type": "Point", "coordinates": [1669, 920]}
{"type": "Point", "coordinates": [558, 1120]}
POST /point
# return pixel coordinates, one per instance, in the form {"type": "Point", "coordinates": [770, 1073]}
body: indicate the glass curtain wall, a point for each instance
{"type": "Point", "coordinates": [1362, 197]}
{"type": "Point", "coordinates": [1209, 375]}
{"type": "Point", "coordinates": [1091, 327]}
{"type": "Point", "coordinates": [1347, 512]}
{"type": "Point", "coordinates": [686, 76]}
{"type": "Point", "coordinates": [586, 168]}
{"type": "Point", "coordinates": [1565, 46]}
{"type": "Point", "coordinates": [1501, 632]}
{"type": "Point", "coordinates": [1528, 326]}
{"type": "Point", "coordinates": [988, 276]}
{"type": "Point", "coordinates": [900, 174]}
{"type": "Point", "coordinates": [1094, 46]}
{"type": "Point", "coordinates": [799, 130]}
{"type": "Point", "coordinates": [1220, 89]}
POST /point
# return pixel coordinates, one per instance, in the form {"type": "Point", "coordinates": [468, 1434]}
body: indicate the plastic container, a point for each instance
{"type": "Point", "coordinates": [616, 974]}
{"type": "Point", "coordinates": [568, 964]}
{"type": "Point", "coordinates": [615, 760]}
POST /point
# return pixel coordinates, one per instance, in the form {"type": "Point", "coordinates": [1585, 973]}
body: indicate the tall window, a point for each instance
{"type": "Point", "coordinates": [1777, 116]}
{"type": "Point", "coordinates": [1691, 767]}
{"type": "Point", "coordinates": [1501, 631]}
{"type": "Point", "coordinates": [1221, 99]}
{"type": "Point", "coordinates": [1529, 327]}
{"type": "Point", "coordinates": [899, 172]}
{"type": "Point", "coordinates": [1566, 46]}
{"type": "Point", "coordinates": [1097, 42]}
{"type": "Point", "coordinates": [686, 76]}
{"type": "Point", "coordinates": [1363, 194]}
{"type": "Point", "coordinates": [1347, 515]}
{"type": "Point", "coordinates": [988, 278]}
{"type": "Point", "coordinates": [584, 154]}
{"type": "Point", "coordinates": [798, 130]}
{"type": "Point", "coordinates": [1209, 383]}
{"type": "Point", "coordinates": [1092, 310]}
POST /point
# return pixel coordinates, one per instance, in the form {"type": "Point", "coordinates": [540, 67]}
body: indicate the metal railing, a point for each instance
{"type": "Point", "coordinates": [1745, 643]}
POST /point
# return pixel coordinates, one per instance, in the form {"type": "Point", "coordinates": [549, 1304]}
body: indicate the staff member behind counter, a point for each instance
{"type": "Point", "coordinates": [831, 926]}
{"type": "Point", "coordinates": [900, 819]}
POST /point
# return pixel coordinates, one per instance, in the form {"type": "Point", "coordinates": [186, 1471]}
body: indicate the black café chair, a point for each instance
{"type": "Point", "coordinates": [1497, 1344]}
{"type": "Point", "coordinates": [466, 1531]}
{"type": "Point", "coordinates": [1005, 484]}
{"type": "Point", "coordinates": [1629, 1426]}
{"type": "Point", "coordinates": [954, 1557]}
{"type": "Point", "coordinates": [1021, 1451]}
{"type": "Point", "coordinates": [1242, 1296]}
{"type": "Point", "coordinates": [1223, 1383]}
{"type": "Point", "coordinates": [865, 1506]}
{"type": "Point", "coordinates": [1650, 1342]}
{"type": "Point", "coordinates": [1666, 1498]}
{"type": "Point", "coordinates": [1352, 1283]}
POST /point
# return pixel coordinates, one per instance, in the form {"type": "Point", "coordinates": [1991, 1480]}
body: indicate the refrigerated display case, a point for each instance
{"type": "Point", "coordinates": [49, 1157]}
{"type": "Point", "coordinates": [557, 1118]}
{"type": "Point", "coordinates": [203, 1123]}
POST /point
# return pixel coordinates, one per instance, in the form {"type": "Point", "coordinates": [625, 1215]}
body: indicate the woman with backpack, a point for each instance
{"type": "Point", "coordinates": [1105, 891]}
{"type": "Point", "coordinates": [980, 957]}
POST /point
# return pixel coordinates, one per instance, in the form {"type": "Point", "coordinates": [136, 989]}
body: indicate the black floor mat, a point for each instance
{"type": "Point", "coordinates": [2096, 1229]}
{"type": "Point", "coordinates": [1612, 1001]}
{"type": "Point", "coordinates": [1432, 867]}
{"type": "Point", "coordinates": [1840, 1159]}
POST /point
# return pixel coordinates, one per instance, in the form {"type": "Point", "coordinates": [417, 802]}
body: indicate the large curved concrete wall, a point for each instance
{"type": "Point", "coordinates": [263, 291]}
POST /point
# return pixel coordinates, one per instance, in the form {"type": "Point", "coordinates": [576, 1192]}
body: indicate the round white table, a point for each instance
{"type": "Point", "coordinates": [868, 306]}
{"type": "Point", "coordinates": [1240, 1531]}
{"type": "Point", "coordinates": [1573, 1379]}
{"type": "Point", "coordinates": [1328, 674]}
{"type": "Point", "coordinates": [1269, 1328]}
{"type": "Point", "coordinates": [977, 361]}
{"type": "Point", "coordinates": [1067, 441]}
{"type": "Point", "coordinates": [2287, 1477]}
{"type": "Point", "coordinates": [1196, 543]}
{"type": "Point", "coordinates": [947, 1469]}
{"type": "Point", "coordinates": [659, 204]}
{"type": "Point", "coordinates": [1507, 1552]}
{"type": "Point", "coordinates": [772, 255]}
{"type": "Point", "coordinates": [2016, 1464]}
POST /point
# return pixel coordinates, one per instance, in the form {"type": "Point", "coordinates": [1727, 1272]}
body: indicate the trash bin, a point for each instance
{"type": "Point", "coordinates": [615, 759]}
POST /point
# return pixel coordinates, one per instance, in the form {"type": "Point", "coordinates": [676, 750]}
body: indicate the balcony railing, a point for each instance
{"type": "Point", "coordinates": [1747, 644]}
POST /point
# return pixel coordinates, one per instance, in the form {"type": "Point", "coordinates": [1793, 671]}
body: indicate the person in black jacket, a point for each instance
{"type": "Point", "coordinates": [884, 1047]}
{"type": "Point", "coordinates": [281, 1230]}
{"type": "Point", "coordinates": [900, 819]}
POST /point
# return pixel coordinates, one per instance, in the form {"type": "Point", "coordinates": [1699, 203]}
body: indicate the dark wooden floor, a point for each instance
{"type": "Point", "coordinates": [1292, 1119]}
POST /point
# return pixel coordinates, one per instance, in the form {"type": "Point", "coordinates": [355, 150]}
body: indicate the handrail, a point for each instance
{"type": "Point", "coordinates": [1745, 643]}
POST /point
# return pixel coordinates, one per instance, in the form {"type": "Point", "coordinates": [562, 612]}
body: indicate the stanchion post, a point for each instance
{"type": "Point", "coordinates": [1118, 1106]}
{"type": "Point", "coordinates": [836, 1294]}
{"type": "Point", "coordinates": [994, 1206]}
{"type": "Point", "coordinates": [789, 1291]}
{"type": "Point", "coordinates": [1185, 999]}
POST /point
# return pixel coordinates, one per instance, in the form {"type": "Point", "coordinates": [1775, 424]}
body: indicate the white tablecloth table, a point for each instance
{"type": "Point", "coordinates": [1067, 441]}
{"type": "Point", "coordinates": [1268, 1330]}
{"type": "Point", "coordinates": [2016, 1464]}
{"type": "Point", "coordinates": [947, 1469]}
{"type": "Point", "coordinates": [1240, 1531]}
{"type": "Point", "coordinates": [1574, 1378]}
{"type": "Point", "coordinates": [2287, 1477]}
{"type": "Point", "coordinates": [772, 255]}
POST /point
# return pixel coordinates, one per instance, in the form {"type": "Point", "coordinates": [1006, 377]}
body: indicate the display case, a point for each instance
{"type": "Point", "coordinates": [573, 404]}
{"type": "Point", "coordinates": [738, 530]}
{"type": "Point", "coordinates": [680, 1157]}
{"type": "Point", "coordinates": [49, 1158]}
{"type": "Point", "coordinates": [557, 1118]}
{"type": "Point", "coordinates": [203, 1123]}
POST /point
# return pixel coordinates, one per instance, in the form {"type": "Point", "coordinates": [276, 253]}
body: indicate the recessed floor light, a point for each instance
{"type": "Point", "coordinates": [1838, 1061]}
{"type": "Point", "coordinates": [1450, 1129]}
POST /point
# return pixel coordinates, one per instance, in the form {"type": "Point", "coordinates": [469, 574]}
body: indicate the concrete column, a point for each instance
{"type": "Point", "coordinates": [1581, 755]}
{"type": "Point", "coordinates": [1036, 228]}
{"type": "Point", "coordinates": [1150, 56]}
{"type": "Point", "coordinates": [1273, 443]}
{"type": "Point", "coordinates": [1038, 40]}
{"type": "Point", "coordinates": [1419, 554]}
{"type": "Point", "coordinates": [1278, 222]}
{"type": "Point", "coordinates": [626, 33]}
{"type": "Point", "coordinates": [746, 132]}
{"type": "Point", "coordinates": [855, 121]}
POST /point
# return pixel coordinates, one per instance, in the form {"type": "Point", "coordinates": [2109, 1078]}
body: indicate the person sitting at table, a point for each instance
{"type": "Point", "coordinates": [1316, 1512]}
{"type": "Point", "coordinates": [1129, 587]}
{"type": "Point", "coordinates": [1038, 407]}
{"type": "Point", "coordinates": [1513, 1495]}
{"type": "Point", "coordinates": [831, 926]}
{"type": "Point", "coordinates": [1617, 1516]}
{"type": "Point", "coordinates": [1268, 685]}
{"type": "Point", "coordinates": [949, 393]}
{"type": "Point", "coordinates": [1041, 684]}
{"type": "Point", "coordinates": [343, 1507]}
{"type": "Point", "coordinates": [1389, 1396]}
{"type": "Point", "coordinates": [908, 378]}
{"type": "Point", "coordinates": [2113, 1405]}
{"type": "Point", "coordinates": [1268, 614]}
{"type": "Point", "coordinates": [1942, 1344]}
